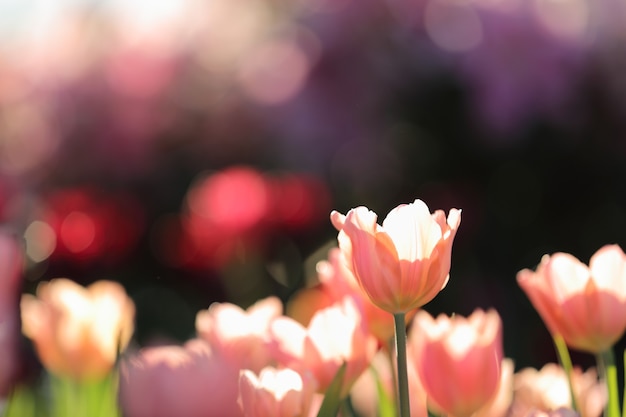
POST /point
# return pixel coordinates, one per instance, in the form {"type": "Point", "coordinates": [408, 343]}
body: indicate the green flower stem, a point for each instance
{"type": "Point", "coordinates": [403, 379]}
{"type": "Point", "coordinates": [90, 398]}
{"type": "Point", "coordinates": [566, 363]}
{"type": "Point", "coordinates": [608, 370]}
{"type": "Point", "coordinates": [624, 393]}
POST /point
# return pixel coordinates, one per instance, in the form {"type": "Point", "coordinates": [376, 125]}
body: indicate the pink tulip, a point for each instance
{"type": "Point", "coordinates": [276, 393]}
{"type": "Point", "coordinates": [335, 335]}
{"type": "Point", "coordinates": [560, 412]}
{"type": "Point", "coordinates": [189, 380]}
{"type": "Point", "coordinates": [336, 281]}
{"type": "Point", "coordinates": [500, 402]}
{"type": "Point", "coordinates": [78, 331]}
{"type": "Point", "coordinates": [458, 359]}
{"type": "Point", "coordinates": [404, 263]}
{"type": "Point", "coordinates": [547, 389]}
{"type": "Point", "coordinates": [585, 305]}
{"type": "Point", "coordinates": [303, 305]}
{"type": "Point", "coordinates": [241, 336]}
{"type": "Point", "coordinates": [339, 281]}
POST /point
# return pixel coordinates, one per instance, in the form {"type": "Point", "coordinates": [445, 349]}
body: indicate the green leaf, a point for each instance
{"type": "Point", "coordinates": [386, 405]}
{"type": "Point", "coordinates": [22, 403]}
{"type": "Point", "coordinates": [332, 396]}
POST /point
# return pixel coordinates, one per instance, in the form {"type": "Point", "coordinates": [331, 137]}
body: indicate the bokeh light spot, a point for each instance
{"type": "Point", "coordinates": [453, 26]}
{"type": "Point", "coordinates": [78, 231]}
{"type": "Point", "coordinates": [41, 240]}
{"type": "Point", "coordinates": [565, 18]}
{"type": "Point", "coordinates": [274, 72]}
{"type": "Point", "coordinates": [234, 199]}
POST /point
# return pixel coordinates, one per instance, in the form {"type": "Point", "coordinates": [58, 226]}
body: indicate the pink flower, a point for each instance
{"type": "Point", "coordinates": [241, 336]}
{"type": "Point", "coordinates": [452, 353]}
{"type": "Point", "coordinates": [547, 389]}
{"type": "Point", "coordinates": [336, 281]}
{"type": "Point", "coordinates": [78, 331]}
{"type": "Point", "coordinates": [275, 393]}
{"type": "Point", "coordinates": [500, 402]}
{"type": "Point", "coordinates": [339, 280]}
{"type": "Point", "coordinates": [404, 263]}
{"type": "Point", "coordinates": [585, 305]}
{"type": "Point", "coordinates": [189, 380]}
{"type": "Point", "coordinates": [335, 335]}
{"type": "Point", "coordinates": [559, 412]}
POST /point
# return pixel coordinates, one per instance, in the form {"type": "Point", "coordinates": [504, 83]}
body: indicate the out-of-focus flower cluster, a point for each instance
{"type": "Point", "coordinates": [265, 361]}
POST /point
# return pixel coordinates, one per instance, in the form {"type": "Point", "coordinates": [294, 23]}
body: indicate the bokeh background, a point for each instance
{"type": "Point", "coordinates": [193, 149]}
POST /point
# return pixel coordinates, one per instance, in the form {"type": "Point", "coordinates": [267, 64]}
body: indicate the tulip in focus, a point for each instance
{"type": "Point", "coordinates": [190, 381]}
{"type": "Point", "coordinates": [404, 263]}
{"type": "Point", "coordinates": [276, 393]}
{"type": "Point", "coordinates": [458, 359]}
{"type": "Point", "coordinates": [241, 336]}
{"type": "Point", "coordinates": [547, 390]}
{"type": "Point", "coordinates": [335, 335]}
{"type": "Point", "coordinates": [585, 305]}
{"type": "Point", "coordinates": [78, 332]}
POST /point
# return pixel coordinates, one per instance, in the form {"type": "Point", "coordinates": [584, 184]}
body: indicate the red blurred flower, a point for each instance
{"type": "Point", "coordinates": [92, 226]}
{"type": "Point", "coordinates": [238, 208]}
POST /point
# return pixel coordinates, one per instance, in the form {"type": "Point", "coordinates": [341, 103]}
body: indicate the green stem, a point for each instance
{"type": "Point", "coordinates": [403, 379]}
{"type": "Point", "coordinates": [73, 398]}
{"type": "Point", "coordinates": [608, 369]}
{"type": "Point", "coordinates": [566, 363]}
{"type": "Point", "coordinates": [624, 393]}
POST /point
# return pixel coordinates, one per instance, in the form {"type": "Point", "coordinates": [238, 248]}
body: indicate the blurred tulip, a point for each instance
{"type": "Point", "coordinates": [336, 281]}
{"type": "Point", "coordinates": [241, 336]}
{"type": "Point", "coordinates": [500, 402]}
{"type": "Point", "coordinates": [339, 281]}
{"type": "Point", "coordinates": [559, 412]}
{"type": "Point", "coordinates": [190, 380]}
{"type": "Point", "coordinates": [335, 335]}
{"type": "Point", "coordinates": [89, 226]}
{"type": "Point", "coordinates": [276, 393]}
{"type": "Point", "coordinates": [303, 305]}
{"type": "Point", "coordinates": [585, 305]}
{"type": "Point", "coordinates": [452, 353]}
{"type": "Point", "coordinates": [10, 280]}
{"type": "Point", "coordinates": [547, 390]}
{"type": "Point", "coordinates": [78, 332]}
{"type": "Point", "coordinates": [405, 263]}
